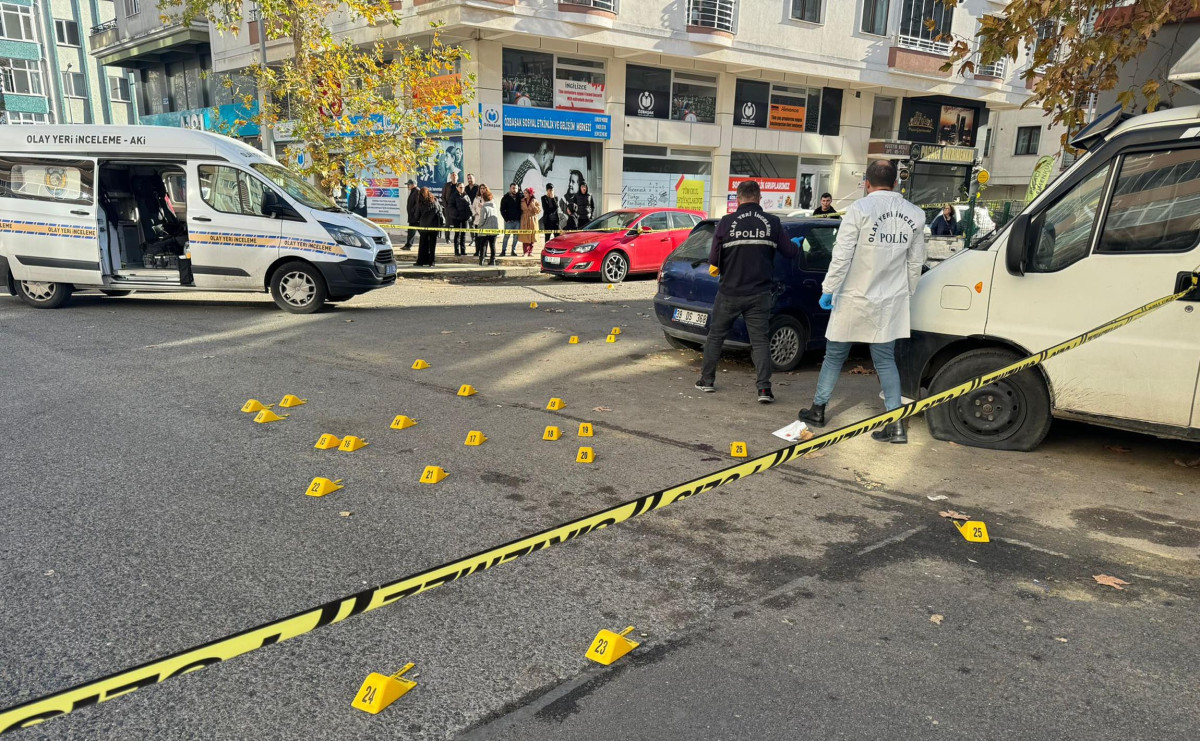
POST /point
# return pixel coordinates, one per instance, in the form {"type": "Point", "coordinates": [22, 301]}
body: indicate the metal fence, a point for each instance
{"type": "Point", "coordinates": [718, 14]}
{"type": "Point", "coordinates": [609, 5]}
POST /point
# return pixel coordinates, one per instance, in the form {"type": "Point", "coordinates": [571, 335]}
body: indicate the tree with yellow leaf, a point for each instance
{"type": "Point", "coordinates": [350, 106]}
{"type": "Point", "coordinates": [1076, 47]}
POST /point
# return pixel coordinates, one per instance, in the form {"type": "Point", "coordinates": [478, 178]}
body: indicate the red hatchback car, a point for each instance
{"type": "Point", "coordinates": [619, 243]}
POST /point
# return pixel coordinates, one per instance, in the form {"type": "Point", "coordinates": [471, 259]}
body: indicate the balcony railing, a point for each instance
{"type": "Point", "coordinates": [720, 15]}
{"type": "Point", "coordinates": [607, 5]}
{"type": "Point", "coordinates": [106, 34]}
{"type": "Point", "coordinates": [917, 43]}
{"type": "Point", "coordinates": [995, 69]}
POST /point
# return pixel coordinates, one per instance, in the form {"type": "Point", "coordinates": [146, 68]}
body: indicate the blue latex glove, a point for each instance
{"type": "Point", "coordinates": [826, 301]}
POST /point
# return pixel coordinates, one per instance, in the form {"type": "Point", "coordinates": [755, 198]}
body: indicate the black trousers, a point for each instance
{"type": "Point", "coordinates": [482, 243]}
{"type": "Point", "coordinates": [460, 238]}
{"type": "Point", "coordinates": [426, 248]}
{"type": "Point", "coordinates": [412, 234]}
{"type": "Point", "coordinates": [756, 310]}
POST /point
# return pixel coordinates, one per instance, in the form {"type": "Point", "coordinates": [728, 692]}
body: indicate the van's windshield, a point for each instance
{"type": "Point", "coordinates": [297, 188]}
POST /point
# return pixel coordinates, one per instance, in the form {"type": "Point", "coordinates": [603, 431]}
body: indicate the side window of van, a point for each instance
{"type": "Point", "coordinates": [231, 191]}
{"type": "Point", "coordinates": [1064, 231]}
{"type": "Point", "coordinates": [818, 247]}
{"type": "Point", "coordinates": [64, 181]}
{"type": "Point", "coordinates": [1155, 204]}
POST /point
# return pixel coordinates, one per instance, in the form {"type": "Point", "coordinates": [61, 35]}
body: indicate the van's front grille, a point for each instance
{"type": "Point", "coordinates": [384, 256]}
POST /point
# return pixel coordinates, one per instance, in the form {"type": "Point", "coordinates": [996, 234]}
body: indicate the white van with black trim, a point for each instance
{"type": "Point", "coordinates": [150, 208]}
{"type": "Point", "coordinates": [1119, 229]}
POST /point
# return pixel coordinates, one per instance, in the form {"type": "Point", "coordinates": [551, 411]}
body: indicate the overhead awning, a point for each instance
{"type": "Point", "coordinates": [1187, 70]}
{"type": "Point", "coordinates": [151, 47]}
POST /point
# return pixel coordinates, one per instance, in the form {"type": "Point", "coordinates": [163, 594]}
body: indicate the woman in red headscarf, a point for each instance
{"type": "Point", "coordinates": [530, 208]}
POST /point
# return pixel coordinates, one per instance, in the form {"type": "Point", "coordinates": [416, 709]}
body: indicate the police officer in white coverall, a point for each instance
{"type": "Point", "coordinates": [874, 270]}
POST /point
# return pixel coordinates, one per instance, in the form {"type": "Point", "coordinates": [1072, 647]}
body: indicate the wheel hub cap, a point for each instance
{"type": "Point", "coordinates": [989, 410]}
{"type": "Point", "coordinates": [37, 290]}
{"type": "Point", "coordinates": [297, 289]}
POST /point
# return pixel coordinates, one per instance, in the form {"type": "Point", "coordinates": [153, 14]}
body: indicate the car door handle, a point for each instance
{"type": "Point", "coordinates": [810, 283]}
{"type": "Point", "coordinates": [201, 218]}
{"type": "Point", "coordinates": [80, 212]}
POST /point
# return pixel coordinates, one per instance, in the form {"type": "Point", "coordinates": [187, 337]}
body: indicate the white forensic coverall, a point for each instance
{"type": "Point", "coordinates": [875, 267]}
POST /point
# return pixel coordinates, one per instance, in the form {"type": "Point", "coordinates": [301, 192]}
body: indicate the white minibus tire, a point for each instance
{"type": "Point", "coordinates": [43, 294]}
{"type": "Point", "coordinates": [1011, 414]}
{"type": "Point", "coordinates": [298, 288]}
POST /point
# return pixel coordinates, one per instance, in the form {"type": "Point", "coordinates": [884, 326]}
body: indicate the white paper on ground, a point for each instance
{"type": "Point", "coordinates": [903, 399]}
{"type": "Point", "coordinates": [792, 432]}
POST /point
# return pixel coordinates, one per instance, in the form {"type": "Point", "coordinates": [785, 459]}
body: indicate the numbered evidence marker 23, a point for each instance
{"type": "Point", "coordinates": [609, 646]}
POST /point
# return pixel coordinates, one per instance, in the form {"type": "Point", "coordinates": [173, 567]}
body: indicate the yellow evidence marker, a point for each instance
{"type": "Point", "coordinates": [350, 443]}
{"type": "Point", "coordinates": [585, 429]}
{"type": "Point", "coordinates": [475, 437]}
{"type": "Point", "coordinates": [292, 401]}
{"type": "Point", "coordinates": [433, 474]}
{"type": "Point", "coordinates": [610, 286]}
{"type": "Point", "coordinates": [551, 433]}
{"type": "Point", "coordinates": [574, 340]}
{"type": "Point", "coordinates": [615, 330]}
{"type": "Point", "coordinates": [379, 690]}
{"type": "Point", "coordinates": [533, 304]}
{"type": "Point", "coordinates": [466, 390]}
{"type": "Point", "coordinates": [556, 404]}
{"type": "Point", "coordinates": [328, 442]}
{"type": "Point", "coordinates": [610, 646]}
{"type": "Point", "coordinates": [322, 486]}
{"type": "Point", "coordinates": [585, 455]}
{"type": "Point", "coordinates": [267, 415]}
{"type": "Point", "coordinates": [611, 338]}
{"type": "Point", "coordinates": [420, 365]}
{"type": "Point", "coordinates": [402, 423]}
{"type": "Point", "coordinates": [974, 531]}
{"type": "Point", "coordinates": [738, 450]}
{"type": "Point", "coordinates": [254, 406]}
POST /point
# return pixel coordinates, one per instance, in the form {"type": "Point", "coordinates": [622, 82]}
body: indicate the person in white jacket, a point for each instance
{"type": "Point", "coordinates": [874, 270]}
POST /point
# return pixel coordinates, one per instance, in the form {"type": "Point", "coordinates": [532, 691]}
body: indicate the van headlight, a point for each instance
{"type": "Point", "coordinates": [344, 235]}
{"type": "Point", "coordinates": [584, 247]}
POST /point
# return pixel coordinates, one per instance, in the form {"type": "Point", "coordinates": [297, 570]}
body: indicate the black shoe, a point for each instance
{"type": "Point", "coordinates": [705, 386]}
{"type": "Point", "coordinates": [893, 433]}
{"type": "Point", "coordinates": [765, 396]}
{"type": "Point", "coordinates": [814, 416]}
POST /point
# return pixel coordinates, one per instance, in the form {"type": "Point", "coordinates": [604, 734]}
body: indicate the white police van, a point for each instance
{"type": "Point", "coordinates": [149, 208]}
{"type": "Point", "coordinates": [1119, 229]}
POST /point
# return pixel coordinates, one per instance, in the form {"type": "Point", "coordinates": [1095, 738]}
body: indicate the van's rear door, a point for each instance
{"type": "Point", "coordinates": [48, 219]}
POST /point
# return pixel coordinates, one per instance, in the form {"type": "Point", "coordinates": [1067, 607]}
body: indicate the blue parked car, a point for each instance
{"type": "Point", "coordinates": [686, 293]}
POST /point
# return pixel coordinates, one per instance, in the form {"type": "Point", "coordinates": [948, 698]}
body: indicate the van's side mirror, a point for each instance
{"type": "Point", "coordinates": [274, 207]}
{"type": "Point", "coordinates": [1016, 253]}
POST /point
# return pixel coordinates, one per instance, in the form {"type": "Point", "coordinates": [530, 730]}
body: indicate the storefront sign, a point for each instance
{"type": "Point", "coordinates": [690, 193]}
{"type": "Point", "coordinates": [383, 199]}
{"type": "Point", "coordinates": [491, 117]}
{"type": "Point", "coordinates": [647, 92]}
{"type": "Point", "coordinates": [889, 148]}
{"type": "Point", "coordinates": [934, 123]}
{"type": "Point", "coordinates": [777, 193]}
{"type": "Point", "coordinates": [751, 103]}
{"type": "Point", "coordinates": [940, 153]}
{"type": "Point", "coordinates": [575, 95]}
{"type": "Point", "coordinates": [221, 119]}
{"type": "Point", "coordinates": [549, 122]}
{"type": "Point", "coordinates": [786, 117]}
{"type": "Point", "coordinates": [438, 90]}
{"type": "Point", "coordinates": [664, 190]}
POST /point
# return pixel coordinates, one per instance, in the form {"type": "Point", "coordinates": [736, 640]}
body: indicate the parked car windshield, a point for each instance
{"type": "Point", "coordinates": [301, 190]}
{"type": "Point", "coordinates": [613, 221]}
{"type": "Point", "coordinates": [696, 246]}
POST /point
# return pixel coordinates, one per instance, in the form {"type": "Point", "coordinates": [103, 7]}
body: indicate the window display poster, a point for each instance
{"type": "Point", "coordinates": [933, 123]}
{"type": "Point", "coordinates": [647, 92]}
{"type": "Point", "coordinates": [751, 103]}
{"type": "Point", "coordinates": [577, 95]}
{"type": "Point", "coordinates": [665, 190]}
{"type": "Point", "coordinates": [448, 158]}
{"type": "Point", "coordinates": [786, 117]}
{"type": "Point", "coordinates": [384, 204]}
{"type": "Point", "coordinates": [778, 194]}
{"type": "Point", "coordinates": [957, 126]}
{"type": "Point", "coordinates": [528, 78]}
{"type": "Point", "coordinates": [532, 162]}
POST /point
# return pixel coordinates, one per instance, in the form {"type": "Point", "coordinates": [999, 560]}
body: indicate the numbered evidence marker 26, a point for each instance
{"type": "Point", "coordinates": [609, 646]}
{"type": "Point", "coordinates": [379, 690]}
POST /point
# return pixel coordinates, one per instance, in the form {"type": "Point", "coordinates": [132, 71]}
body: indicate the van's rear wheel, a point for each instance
{"type": "Point", "coordinates": [298, 288]}
{"type": "Point", "coordinates": [42, 294]}
{"type": "Point", "coordinates": [1010, 414]}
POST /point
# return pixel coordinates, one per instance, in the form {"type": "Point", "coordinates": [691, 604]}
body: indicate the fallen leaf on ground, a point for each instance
{"type": "Point", "coordinates": [953, 514]}
{"type": "Point", "coordinates": [858, 370]}
{"type": "Point", "coordinates": [1118, 449]}
{"type": "Point", "coordinates": [1140, 488]}
{"type": "Point", "coordinates": [1187, 464]}
{"type": "Point", "coordinates": [937, 619]}
{"type": "Point", "coordinates": [813, 454]}
{"type": "Point", "coordinates": [1060, 640]}
{"type": "Point", "coordinates": [447, 331]}
{"type": "Point", "coordinates": [1110, 581]}
{"type": "Point", "coordinates": [493, 334]}
{"type": "Point", "coordinates": [601, 409]}
{"type": "Point", "coordinates": [806, 435]}
{"type": "Point", "coordinates": [938, 498]}
{"type": "Point", "coordinates": [345, 513]}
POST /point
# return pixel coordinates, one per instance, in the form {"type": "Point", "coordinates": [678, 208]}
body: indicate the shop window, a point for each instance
{"type": "Point", "coordinates": [647, 92]}
{"type": "Point", "coordinates": [655, 177]}
{"type": "Point", "coordinates": [881, 117]}
{"type": "Point", "coordinates": [785, 107]}
{"type": "Point", "coordinates": [1028, 140]}
{"type": "Point", "coordinates": [528, 78]}
{"type": "Point", "coordinates": [579, 85]}
{"type": "Point", "coordinates": [694, 98]}
{"type": "Point", "coordinates": [1154, 203]}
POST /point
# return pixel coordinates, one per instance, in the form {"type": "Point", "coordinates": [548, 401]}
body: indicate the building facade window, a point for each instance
{"type": "Point", "coordinates": [66, 32]}
{"type": "Point", "coordinates": [18, 118]}
{"type": "Point", "coordinates": [882, 115]}
{"type": "Point", "coordinates": [16, 22]}
{"type": "Point", "coordinates": [528, 78]}
{"type": "Point", "coordinates": [21, 76]}
{"type": "Point", "coordinates": [74, 85]}
{"type": "Point", "coordinates": [651, 92]}
{"type": "Point", "coordinates": [609, 5]}
{"type": "Point", "coordinates": [875, 17]}
{"type": "Point", "coordinates": [806, 10]}
{"type": "Point", "coordinates": [1028, 140]}
{"type": "Point", "coordinates": [118, 89]}
{"type": "Point", "coordinates": [716, 14]}
{"type": "Point", "coordinates": [915, 32]}
{"type": "Point", "coordinates": [132, 7]}
{"type": "Point", "coordinates": [763, 105]}
{"type": "Point", "coordinates": [579, 85]}
{"type": "Point", "coordinates": [657, 176]}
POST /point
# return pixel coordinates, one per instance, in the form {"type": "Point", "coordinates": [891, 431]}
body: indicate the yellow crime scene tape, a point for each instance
{"type": "Point", "coordinates": [473, 230]}
{"type": "Point", "coordinates": [222, 649]}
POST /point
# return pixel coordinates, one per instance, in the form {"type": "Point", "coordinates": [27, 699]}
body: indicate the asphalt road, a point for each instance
{"type": "Point", "coordinates": [143, 514]}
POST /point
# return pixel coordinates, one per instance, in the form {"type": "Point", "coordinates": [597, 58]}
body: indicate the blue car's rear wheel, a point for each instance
{"type": "Point", "coordinates": [787, 338]}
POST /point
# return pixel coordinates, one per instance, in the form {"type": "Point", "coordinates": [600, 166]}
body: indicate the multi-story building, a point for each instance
{"type": "Point", "coordinates": [672, 101]}
{"type": "Point", "coordinates": [47, 72]}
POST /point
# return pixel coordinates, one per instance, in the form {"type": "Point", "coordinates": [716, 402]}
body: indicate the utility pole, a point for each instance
{"type": "Point", "coordinates": [264, 131]}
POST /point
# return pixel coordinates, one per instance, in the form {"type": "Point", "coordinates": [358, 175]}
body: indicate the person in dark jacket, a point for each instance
{"type": "Point", "coordinates": [553, 212]}
{"type": "Point", "coordinates": [458, 214]}
{"type": "Point", "coordinates": [414, 197]}
{"type": "Point", "coordinates": [429, 216]}
{"type": "Point", "coordinates": [510, 212]}
{"type": "Point", "coordinates": [585, 206]}
{"type": "Point", "coordinates": [450, 186]}
{"type": "Point", "coordinates": [743, 252]}
{"type": "Point", "coordinates": [471, 191]}
{"type": "Point", "coordinates": [945, 225]}
{"type": "Point", "coordinates": [826, 208]}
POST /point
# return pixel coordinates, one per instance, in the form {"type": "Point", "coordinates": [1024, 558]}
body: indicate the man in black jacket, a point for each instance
{"type": "Point", "coordinates": [414, 194]}
{"type": "Point", "coordinates": [450, 187]}
{"type": "Point", "coordinates": [743, 251]}
{"type": "Point", "coordinates": [826, 208]}
{"type": "Point", "coordinates": [510, 212]}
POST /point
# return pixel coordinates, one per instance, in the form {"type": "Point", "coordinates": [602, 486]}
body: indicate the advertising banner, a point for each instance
{"type": "Point", "coordinates": [778, 194]}
{"type": "Point", "coordinates": [383, 199]}
{"type": "Point", "coordinates": [576, 95]}
{"type": "Point", "coordinates": [786, 117]}
{"type": "Point", "coordinates": [751, 103]}
{"type": "Point", "coordinates": [550, 122]}
{"type": "Point", "coordinates": [665, 190]}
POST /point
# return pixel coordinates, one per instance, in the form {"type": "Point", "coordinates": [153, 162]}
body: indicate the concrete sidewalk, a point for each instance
{"type": "Point", "coordinates": [461, 268]}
